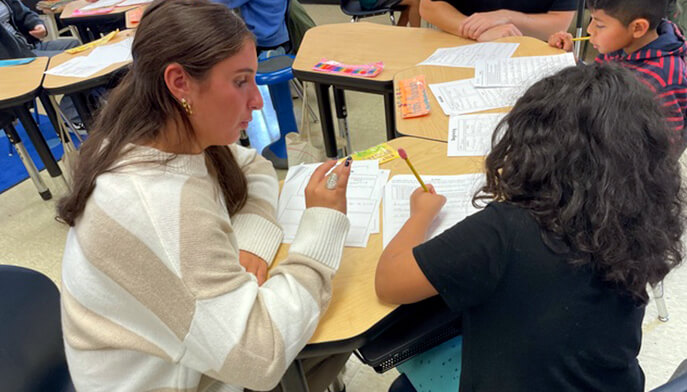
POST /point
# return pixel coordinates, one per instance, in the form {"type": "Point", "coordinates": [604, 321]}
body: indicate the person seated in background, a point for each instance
{"type": "Point", "coordinates": [26, 31]}
{"type": "Point", "coordinates": [635, 34]}
{"type": "Point", "coordinates": [410, 15]}
{"type": "Point", "coordinates": [583, 211]}
{"type": "Point", "coordinates": [492, 19]}
{"type": "Point", "coordinates": [266, 19]}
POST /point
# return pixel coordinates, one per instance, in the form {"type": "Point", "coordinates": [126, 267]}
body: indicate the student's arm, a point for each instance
{"type": "Point", "coordinates": [442, 15]}
{"type": "Point", "coordinates": [399, 279]}
{"type": "Point", "coordinates": [26, 19]}
{"type": "Point", "coordinates": [534, 25]}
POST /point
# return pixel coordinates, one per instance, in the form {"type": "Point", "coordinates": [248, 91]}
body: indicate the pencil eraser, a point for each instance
{"type": "Point", "coordinates": [402, 153]}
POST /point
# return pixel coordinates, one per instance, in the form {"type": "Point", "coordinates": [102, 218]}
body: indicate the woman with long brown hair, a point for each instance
{"type": "Point", "coordinates": [173, 226]}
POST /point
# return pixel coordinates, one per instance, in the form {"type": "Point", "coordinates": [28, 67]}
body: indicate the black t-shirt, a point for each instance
{"type": "Point", "coordinates": [469, 7]}
{"type": "Point", "coordinates": [531, 321]}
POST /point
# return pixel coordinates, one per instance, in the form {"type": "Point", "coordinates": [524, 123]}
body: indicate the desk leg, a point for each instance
{"type": "Point", "coordinates": [28, 163]}
{"type": "Point", "coordinates": [326, 121]}
{"type": "Point", "coordinates": [50, 111]}
{"type": "Point", "coordinates": [390, 115]}
{"type": "Point", "coordinates": [39, 142]}
{"type": "Point", "coordinates": [81, 105]}
{"type": "Point", "coordinates": [294, 378]}
{"type": "Point", "coordinates": [341, 114]}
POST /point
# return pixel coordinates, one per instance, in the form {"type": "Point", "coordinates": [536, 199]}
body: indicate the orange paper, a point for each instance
{"type": "Point", "coordinates": [412, 97]}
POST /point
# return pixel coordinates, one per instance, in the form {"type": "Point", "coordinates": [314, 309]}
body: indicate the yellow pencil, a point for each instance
{"type": "Point", "coordinates": [581, 38]}
{"type": "Point", "coordinates": [404, 156]}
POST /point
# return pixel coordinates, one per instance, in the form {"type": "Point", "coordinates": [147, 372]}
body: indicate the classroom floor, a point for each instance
{"type": "Point", "coordinates": [30, 237]}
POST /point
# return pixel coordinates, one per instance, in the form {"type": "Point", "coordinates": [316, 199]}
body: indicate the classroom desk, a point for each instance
{"type": "Point", "coordinates": [77, 88]}
{"type": "Point", "coordinates": [21, 84]}
{"type": "Point", "coordinates": [84, 23]}
{"type": "Point", "coordinates": [362, 43]}
{"type": "Point", "coordinates": [355, 314]}
{"type": "Point", "coordinates": [435, 125]}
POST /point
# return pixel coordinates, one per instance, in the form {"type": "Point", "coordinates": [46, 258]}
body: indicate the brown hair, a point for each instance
{"type": "Point", "coordinates": [204, 34]}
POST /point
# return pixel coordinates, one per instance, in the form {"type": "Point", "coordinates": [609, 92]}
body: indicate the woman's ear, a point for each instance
{"type": "Point", "coordinates": [639, 27]}
{"type": "Point", "coordinates": [177, 80]}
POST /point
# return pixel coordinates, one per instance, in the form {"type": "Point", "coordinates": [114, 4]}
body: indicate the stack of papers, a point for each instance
{"type": "Point", "coordinates": [469, 55]}
{"type": "Point", "coordinates": [471, 135]}
{"type": "Point", "coordinates": [458, 190]}
{"type": "Point", "coordinates": [364, 194]}
{"type": "Point", "coordinates": [461, 97]}
{"type": "Point", "coordinates": [100, 58]}
{"type": "Point", "coordinates": [520, 71]}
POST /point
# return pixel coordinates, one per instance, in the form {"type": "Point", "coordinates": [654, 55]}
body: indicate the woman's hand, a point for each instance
{"type": "Point", "coordinates": [254, 264]}
{"type": "Point", "coordinates": [323, 191]}
{"type": "Point", "coordinates": [502, 31]}
{"type": "Point", "coordinates": [561, 40]}
{"type": "Point", "coordinates": [474, 25]}
{"type": "Point", "coordinates": [426, 205]}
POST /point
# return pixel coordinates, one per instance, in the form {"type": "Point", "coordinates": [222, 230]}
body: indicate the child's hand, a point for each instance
{"type": "Point", "coordinates": [324, 191]}
{"type": "Point", "coordinates": [562, 40]}
{"type": "Point", "coordinates": [426, 204]}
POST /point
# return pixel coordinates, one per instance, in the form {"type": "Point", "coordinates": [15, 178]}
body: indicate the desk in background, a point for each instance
{"type": "Point", "coordinates": [20, 85]}
{"type": "Point", "coordinates": [78, 88]}
{"type": "Point", "coordinates": [362, 43]}
{"type": "Point", "coordinates": [355, 314]}
{"type": "Point", "coordinates": [91, 26]}
{"type": "Point", "coordinates": [434, 126]}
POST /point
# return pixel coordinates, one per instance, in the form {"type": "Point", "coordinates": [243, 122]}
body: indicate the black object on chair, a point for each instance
{"type": "Point", "coordinates": [353, 9]}
{"type": "Point", "coordinates": [417, 328]}
{"type": "Point", "coordinates": [31, 348]}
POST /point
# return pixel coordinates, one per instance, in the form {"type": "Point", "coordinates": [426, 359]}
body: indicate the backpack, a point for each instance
{"type": "Point", "coordinates": [297, 23]}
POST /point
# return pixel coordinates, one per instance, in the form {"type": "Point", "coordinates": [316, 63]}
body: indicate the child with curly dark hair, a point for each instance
{"type": "Point", "coordinates": [584, 210]}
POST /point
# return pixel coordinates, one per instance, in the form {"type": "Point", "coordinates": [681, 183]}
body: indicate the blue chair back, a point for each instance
{"type": "Point", "coordinates": [31, 347]}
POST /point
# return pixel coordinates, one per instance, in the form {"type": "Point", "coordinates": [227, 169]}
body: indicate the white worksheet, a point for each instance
{"type": "Point", "coordinates": [126, 3]}
{"type": "Point", "coordinates": [520, 71]}
{"type": "Point", "coordinates": [461, 97]}
{"type": "Point", "coordinates": [458, 190]}
{"type": "Point", "coordinates": [100, 58]}
{"type": "Point", "coordinates": [363, 196]}
{"type": "Point", "coordinates": [468, 55]}
{"type": "Point", "coordinates": [470, 135]}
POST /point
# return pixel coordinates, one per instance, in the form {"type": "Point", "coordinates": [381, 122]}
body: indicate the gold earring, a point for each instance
{"type": "Point", "coordinates": [186, 106]}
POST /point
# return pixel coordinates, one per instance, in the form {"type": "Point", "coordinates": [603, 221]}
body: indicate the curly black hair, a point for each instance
{"type": "Point", "coordinates": [587, 152]}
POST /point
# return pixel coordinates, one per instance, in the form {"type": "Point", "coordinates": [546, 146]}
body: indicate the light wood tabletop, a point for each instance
{"type": "Point", "coordinates": [355, 308]}
{"type": "Point", "coordinates": [76, 4]}
{"type": "Point", "coordinates": [53, 82]}
{"type": "Point", "coordinates": [362, 43]}
{"type": "Point", "coordinates": [18, 81]}
{"type": "Point", "coordinates": [435, 125]}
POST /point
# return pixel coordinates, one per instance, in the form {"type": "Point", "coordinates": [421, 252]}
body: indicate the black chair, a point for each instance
{"type": "Point", "coordinates": [32, 355]}
{"type": "Point", "coordinates": [353, 9]}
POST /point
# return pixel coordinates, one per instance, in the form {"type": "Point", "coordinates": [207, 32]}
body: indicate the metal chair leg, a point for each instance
{"type": "Point", "coordinates": [303, 95]}
{"type": "Point", "coordinates": [660, 302]}
{"type": "Point", "coordinates": [35, 176]}
{"type": "Point", "coordinates": [392, 18]}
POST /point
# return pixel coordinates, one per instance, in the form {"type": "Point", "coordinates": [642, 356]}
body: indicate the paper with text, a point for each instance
{"type": "Point", "coordinates": [470, 135]}
{"type": "Point", "coordinates": [363, 196]}
{"type": "Point", "coordinates": [100, 58]}
{"type": "Point", "coordinates": [461, 97]}
{"type": "Point", "coordinates": [468, 55]}
{"type": "Point", "coordinates": [458, 190]}
{"type": "Point", "coordinates": [520, 71]}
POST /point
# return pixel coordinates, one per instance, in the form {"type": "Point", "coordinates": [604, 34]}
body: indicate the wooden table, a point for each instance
{"type": "Point", "coordinates": [355, 314]}
{"type": "Point", "coordinates": [21, 84]}
{"type": "Point", "coordinates": [362, 43]}
{"type": "Point", "coordinates": [435, 125]}
{"type": "Point", "coordinates": [78, 88]}
{"type": "Point", "coordinates": [90, 26]}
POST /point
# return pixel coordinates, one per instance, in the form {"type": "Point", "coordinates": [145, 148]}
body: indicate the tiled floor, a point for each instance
{"type": "Point", "coordinates": [30, 236]}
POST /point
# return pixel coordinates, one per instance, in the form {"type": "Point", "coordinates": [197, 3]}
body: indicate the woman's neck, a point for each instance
{"type": "Point", "coordinates": [174, 140]}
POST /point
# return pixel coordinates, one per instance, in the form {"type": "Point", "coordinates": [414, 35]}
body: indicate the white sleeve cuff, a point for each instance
{"type": "Point", "coordinates": [257, 235]}
{"type": "Point", "coordinates": [321, 235]}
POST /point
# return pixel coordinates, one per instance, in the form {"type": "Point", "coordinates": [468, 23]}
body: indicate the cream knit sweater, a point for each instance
{"type": "Point", "coordinates": [153, 295]}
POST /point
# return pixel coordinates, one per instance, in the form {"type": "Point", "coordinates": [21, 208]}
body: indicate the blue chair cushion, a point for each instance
{"type": "Point", "coordinates": [275, 69]}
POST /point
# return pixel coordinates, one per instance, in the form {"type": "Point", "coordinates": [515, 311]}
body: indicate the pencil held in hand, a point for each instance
{"type": "Point", "coordinates": [581, 39]}
{"type": "Point", "coordinates": [402, 153]}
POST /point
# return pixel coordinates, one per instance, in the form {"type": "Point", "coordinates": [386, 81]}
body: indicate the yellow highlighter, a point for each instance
{"type": "Point", "coordinates": [402, 153]}
{"type": "Point", "coordinates": [93, 44]}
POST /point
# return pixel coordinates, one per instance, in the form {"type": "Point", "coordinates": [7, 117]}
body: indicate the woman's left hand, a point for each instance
{"type": "Point", "coordinates": [254, 264]}
{"type": "Point", "coordinates": [474, 25]}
